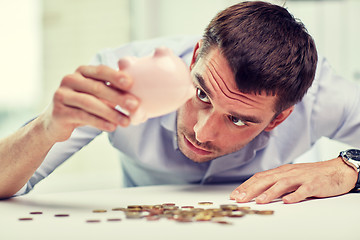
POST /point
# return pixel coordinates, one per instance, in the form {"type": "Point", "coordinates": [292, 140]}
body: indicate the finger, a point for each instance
{"type": "Point", "coordinates": [303, 192]}
{"type": "Point", "coordinates": [91, 120]}
{"type": "Point", "coordinates": [252, 188]}
{"type": "Point", "coordinates": [281, 187]}
{"type": "Point", "coordinates": [109, 95]}
{"type": "Point", "coordinates": [270, 176]}
{"type": "Point", "coordinates": [116, 79]}
{"type": "Point", "coordinates": [90, 105]}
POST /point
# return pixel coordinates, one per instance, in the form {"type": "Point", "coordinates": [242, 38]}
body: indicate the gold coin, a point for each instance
{"type": "Point", "coordinates": [133, 215]}
{"type": "Point", "coordinates": [203, 216]}
{"type": "Point", "coordinates": [231, 207]}
{"type": "Point", "coordinates": [205, 203]}
{"type": "Point", "coordinates": [265, 212]}
{"type": "Point", "coordinates": [236, 214]}
{"type": "Point", "coordinates": [134, 207]}
{"type": "Point", "coordinates": [243, 208]}
{"type": "Point", "coordinates": [118, 209]}
{"type": "Point", "coordinates": [99, 211]}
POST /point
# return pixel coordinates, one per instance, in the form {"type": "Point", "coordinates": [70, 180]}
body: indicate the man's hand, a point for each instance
{"type": "Point", "coordinates": [86, 98]}
{"type": "Point", "coordinates": [296, 182]}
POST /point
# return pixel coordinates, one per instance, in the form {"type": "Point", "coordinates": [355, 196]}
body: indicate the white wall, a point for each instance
{"type": "Point", "coordinates": [20, 45]}
{"type": "Point", "coordinates": [20, 62]}
{"type": "Point", "coordinates": [73, 32]}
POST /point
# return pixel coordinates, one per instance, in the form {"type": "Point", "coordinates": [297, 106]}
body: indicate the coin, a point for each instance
{"type": "Point", "coordinates": [183, 219]}
{"type": "Point", "coordinates": [36, 213]}
{"type": "Point", "coordinates": [99, 211]}
{"type": "Point", "coordinates": [61, 215]}
{"type": "Point", "coordinates": [236, 214]}
{"type": "Point", "coordinates": [152, 218]}
{"type": "Point", "coordinates": [114, 219]}
{"type": "Point", "coordinates": [187, 207]}
{"type": "Point", "coordinates": [231, 207]}
{"type": "Point", "coordinates": [168, 204]}
{"type": "Point", "coordinates": [223, 222]}
{"type": "Point", "coordinates": [134, 207]}
{"type": "Point", "coordinates": [133, 215]}
{"type": "Point", "coordinates": [25, 219]}
{"type": "Point", "coordinates": [93, 221]}
{"type": "Point", "coordinates": [243, 208]}
{"type": "Point", "coordinates": [265, 212]}
{"type": "Point", "coordinates": [203, 216]}
{"type": "Point", "coordinates": [118, 209]}
{"type": "Point", "coordinates": [205, 203]}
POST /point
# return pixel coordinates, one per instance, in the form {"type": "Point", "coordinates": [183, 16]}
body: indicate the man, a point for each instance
{"type": "Point", "coordinates": [250, 70]}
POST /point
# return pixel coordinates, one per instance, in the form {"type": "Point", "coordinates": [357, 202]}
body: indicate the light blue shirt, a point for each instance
{"type": "Point", "coordinates": [330, 109]}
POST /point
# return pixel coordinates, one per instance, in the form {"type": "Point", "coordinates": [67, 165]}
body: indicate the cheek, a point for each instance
{"type": "Point", "coordinates": [187, 114]}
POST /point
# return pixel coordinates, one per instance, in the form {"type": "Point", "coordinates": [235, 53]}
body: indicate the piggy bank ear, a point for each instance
{"type": "Point", "coordinates": [162, 51]}
{"type": "Point", "coordinates": [124, 63]}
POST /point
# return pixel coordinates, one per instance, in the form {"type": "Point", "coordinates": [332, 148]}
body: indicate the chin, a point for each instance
{"type": "Point", "coordinates": [191, 155]}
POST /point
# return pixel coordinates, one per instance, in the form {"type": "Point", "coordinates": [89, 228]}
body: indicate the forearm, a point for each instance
{"type": "Point", "coordinates": [21, 154]}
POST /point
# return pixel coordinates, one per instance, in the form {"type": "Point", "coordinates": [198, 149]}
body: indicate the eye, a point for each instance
{"type": "Point", "coordinates": [236, 121]}
{"type": "Point", "coordinates": [201, 95]}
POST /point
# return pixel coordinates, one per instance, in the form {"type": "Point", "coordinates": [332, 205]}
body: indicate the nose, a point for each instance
{"type": "Point", "coordinates": [207, 127]}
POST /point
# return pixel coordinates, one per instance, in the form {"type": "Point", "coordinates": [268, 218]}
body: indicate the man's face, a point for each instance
{"type": "Point", "coordinates": [220, 119]}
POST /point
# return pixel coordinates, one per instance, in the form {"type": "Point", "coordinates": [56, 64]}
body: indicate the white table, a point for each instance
{"type": "Point", "coordinates": [331, 218]}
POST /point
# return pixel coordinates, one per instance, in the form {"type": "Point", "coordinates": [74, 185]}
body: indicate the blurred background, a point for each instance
{"type": "Point", "coordinates": [43, 40]}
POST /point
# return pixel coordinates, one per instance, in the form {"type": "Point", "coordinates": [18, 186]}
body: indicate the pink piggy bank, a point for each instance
{"type": "Point", "coordinates": [161, 81]}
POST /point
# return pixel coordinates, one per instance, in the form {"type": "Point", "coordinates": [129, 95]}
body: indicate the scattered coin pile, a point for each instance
{"type": "Point", "coordinates": [188, 213]}
{"type": "Point", "coordinates": [182, 214]}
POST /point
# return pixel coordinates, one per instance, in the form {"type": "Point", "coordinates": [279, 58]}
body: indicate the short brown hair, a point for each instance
{"type": "Point", "coordinates": [267, 49]}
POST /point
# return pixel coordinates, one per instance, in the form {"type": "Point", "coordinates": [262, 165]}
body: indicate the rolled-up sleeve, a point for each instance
{"type": "Point", "coordinates": [59, 153]}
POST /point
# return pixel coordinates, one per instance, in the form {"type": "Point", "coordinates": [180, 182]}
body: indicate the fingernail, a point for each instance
{"type": "Point", "coordinates": [234, 194]}
{"type": "Point", "coordinates": [123, 81]}
{"type": "Point", "coordinates": [125, 121]}
{"type": "Point", "coordinates": [110, 126]}
{"type": "Point", "coordinates": [287, 199]}
{"type": "Point", "coordinates": [131, 103]}
{"type": "Point", "coordinates": [261, 198]}
{"type": "Point", "coordinates": [241, 196]}
{"type": "Point", "coordinates": [123, 111]}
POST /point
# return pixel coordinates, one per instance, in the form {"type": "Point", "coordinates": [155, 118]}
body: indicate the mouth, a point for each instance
{"type": "Point", "coordinates": [195, 149]}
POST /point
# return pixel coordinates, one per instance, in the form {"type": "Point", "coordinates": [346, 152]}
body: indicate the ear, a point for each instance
{"type": "Point", "coordinates": [195, 53]}
{"type": "Point", "coordinates": [279, 119]}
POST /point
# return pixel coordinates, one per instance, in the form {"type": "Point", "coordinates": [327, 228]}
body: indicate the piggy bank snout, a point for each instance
{"type": "Point", "coordinates": [126, 62]}
{"type": "Point", "coordinates": [162, 52]}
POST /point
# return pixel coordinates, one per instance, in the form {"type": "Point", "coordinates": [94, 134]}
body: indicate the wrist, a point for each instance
{"type": "Point", "coordinates": [351, 158]}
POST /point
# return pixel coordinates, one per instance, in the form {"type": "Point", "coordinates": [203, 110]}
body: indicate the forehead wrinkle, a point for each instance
{"type": "Point", "coordinates": [227, 88]}
{"type": "Point", "coordinates": [221, 89]}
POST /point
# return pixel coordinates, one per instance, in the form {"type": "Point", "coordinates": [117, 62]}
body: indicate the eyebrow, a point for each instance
{"type": "Point", "coordinates": [202, 84]}
{"type": "Point", "coordinates": [245, 118]}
